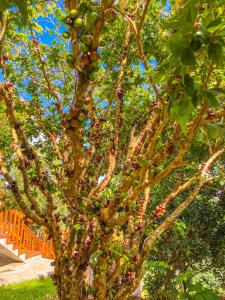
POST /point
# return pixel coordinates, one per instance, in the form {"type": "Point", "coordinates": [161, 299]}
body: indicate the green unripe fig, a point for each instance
{"type": "Point", "coordinates": [86, 39]}
{"type": "Point", "coordinates": [73, 13]}
{"type": "Point", "coordinates": [85, 140]}
{"type": "Point", "coordinates": [81, 117]}
{"type": "Point", "coordinates": [110, 16]}
{"type": "Point", "coordinates": [66, 35]}
{"type": "Point", "coordinates": [158, 170]}
{"type": "Point", "coordinates": [70, 59]}
{"type": "Point", "coordinates": [82, 124]}
{"type": "Point", "coordinates": [135, 182]}
{"type": "Point", "coordinates": [78, 23]}
{"type": "Point", "coordinates": [83, 48]}
{"type": "Point", "coordinates": [90, 19]}
{"type": "Point", "coordinates": [107, 229]}
{"type": "Point", "coordinates": [83, 6]}
{"type": "Point", "coordinates": [84, 204]}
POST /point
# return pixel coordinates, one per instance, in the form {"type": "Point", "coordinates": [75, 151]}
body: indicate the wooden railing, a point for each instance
{"type": "Point", "coordinates": [12, 228]}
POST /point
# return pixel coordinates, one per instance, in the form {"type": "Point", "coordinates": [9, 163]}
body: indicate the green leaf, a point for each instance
{"type": "Point", "coordinates": [182, 110]}
{"type": "Point", "coordinates": [213, 131]}
{"type": "Point", "coordinates": [78, 227]}
{"type": "Point", "coordinates": [189, 85]}
{"type": "Point", "coordinates": [191, 13]}
{"type": "Point", "coordinates": [211, 98]}
{"type": "Point", "coordinates": [188, 58]}
{"type": "Point", "coordinates": [219, 91]}
{"type": "Point", "coordinates": [3, 5]}
{"type": "Point", "coordinates": [22, 5]}
{"type": "Point", "coordinates": [215, 53]}
{"type": "Point", "coordinates": [181, 226]}
{"type": "Point", "coordinates": [195, 44]}
{"type": "Point", "coordinates": [177, 44]}
{"type": "Point", "coordinates": [212, 26]}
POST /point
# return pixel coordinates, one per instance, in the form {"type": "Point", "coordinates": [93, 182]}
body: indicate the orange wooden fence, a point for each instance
{"type": "Point", "coordinates": [12, 228]}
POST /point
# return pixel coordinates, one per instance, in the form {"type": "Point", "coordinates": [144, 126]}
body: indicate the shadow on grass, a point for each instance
{"type": "Point", "coordinates": [28, 290]}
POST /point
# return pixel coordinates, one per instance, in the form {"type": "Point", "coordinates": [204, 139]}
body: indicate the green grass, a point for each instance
{"type": "Point", "coordinates": [28, 290]}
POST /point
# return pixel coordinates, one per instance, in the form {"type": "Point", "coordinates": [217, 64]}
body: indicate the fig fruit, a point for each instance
{"type": "Point", "coordinates": [66, 35]}
{"type": "Point", "coordinates": [73, 13]}
{"type": "Point", "coordinates": [86, 39]}
{"type": "Point", "coordinates": [5, 58]}
{"type": "Point", "coordinates": [94, 56]}
{"type": "Point", "coordinates": [196, 25]}
{"type": "Point", "coordinates": [75, 111]}
{"type": "Point", "coordinates": [83, 48]}
{"type": "Point", "coordinates": [8, 85]}
{"type": "Point", "coordinates": [90, 19]}
{"type": "Point", "coordinates": [85, 59]}
{"type": "Point", "coordinates": [78, 23]}
{"type": "Point", "coordinates": [110, 16]}
{"type": "Point", "coordinates": [81, 117]}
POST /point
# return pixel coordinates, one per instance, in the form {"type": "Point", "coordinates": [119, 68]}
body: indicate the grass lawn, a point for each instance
{"type": "Point", "coordinates": [28, 290]}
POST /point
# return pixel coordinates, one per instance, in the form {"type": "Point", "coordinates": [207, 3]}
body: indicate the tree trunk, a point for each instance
{"type": "Point", "coordinates": [70, 286]}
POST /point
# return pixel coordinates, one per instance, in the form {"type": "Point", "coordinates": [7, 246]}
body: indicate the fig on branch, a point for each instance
{"type": "Point", "coordinates": [5, 58]}
{"type": "Point", "coordinates": [85, 59]}
{"type": "Point", "coordinates": [66, 35]}
{"type": "Point", "coordinates": [81, 117]}
{"type": "Point", "coordinates": [73, 13]}
{"type": "Point", "coordinates": [78, 23]}
{"type": "Point", "coordinates": [86, 39]}
{"type": "Point", "coordinates": [83, 48]}
{"type": "Point", "coordinates": [110, 16]}
{"type": "Point", "coordinates": [75, 111]}
{"type": "Point", "coordinates": [90, 19]}
{"type": "Point", "coordinates": [8, 85]}
{"type": "Point", "coordinates": [94, 56]}
{"type": "Point", "coordinates": [83, 6]}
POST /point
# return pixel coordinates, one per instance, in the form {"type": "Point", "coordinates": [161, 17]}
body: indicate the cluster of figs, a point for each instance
{"type": "Point", "coordinates": [83, 19]}
{"type": "Point", "coordinates": [74, 119]}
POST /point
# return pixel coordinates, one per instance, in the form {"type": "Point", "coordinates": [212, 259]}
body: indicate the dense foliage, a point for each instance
{"type": "Point", "coordinates": [189, 258]}
{"type": "Point", "coordinates": [112, 124]}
